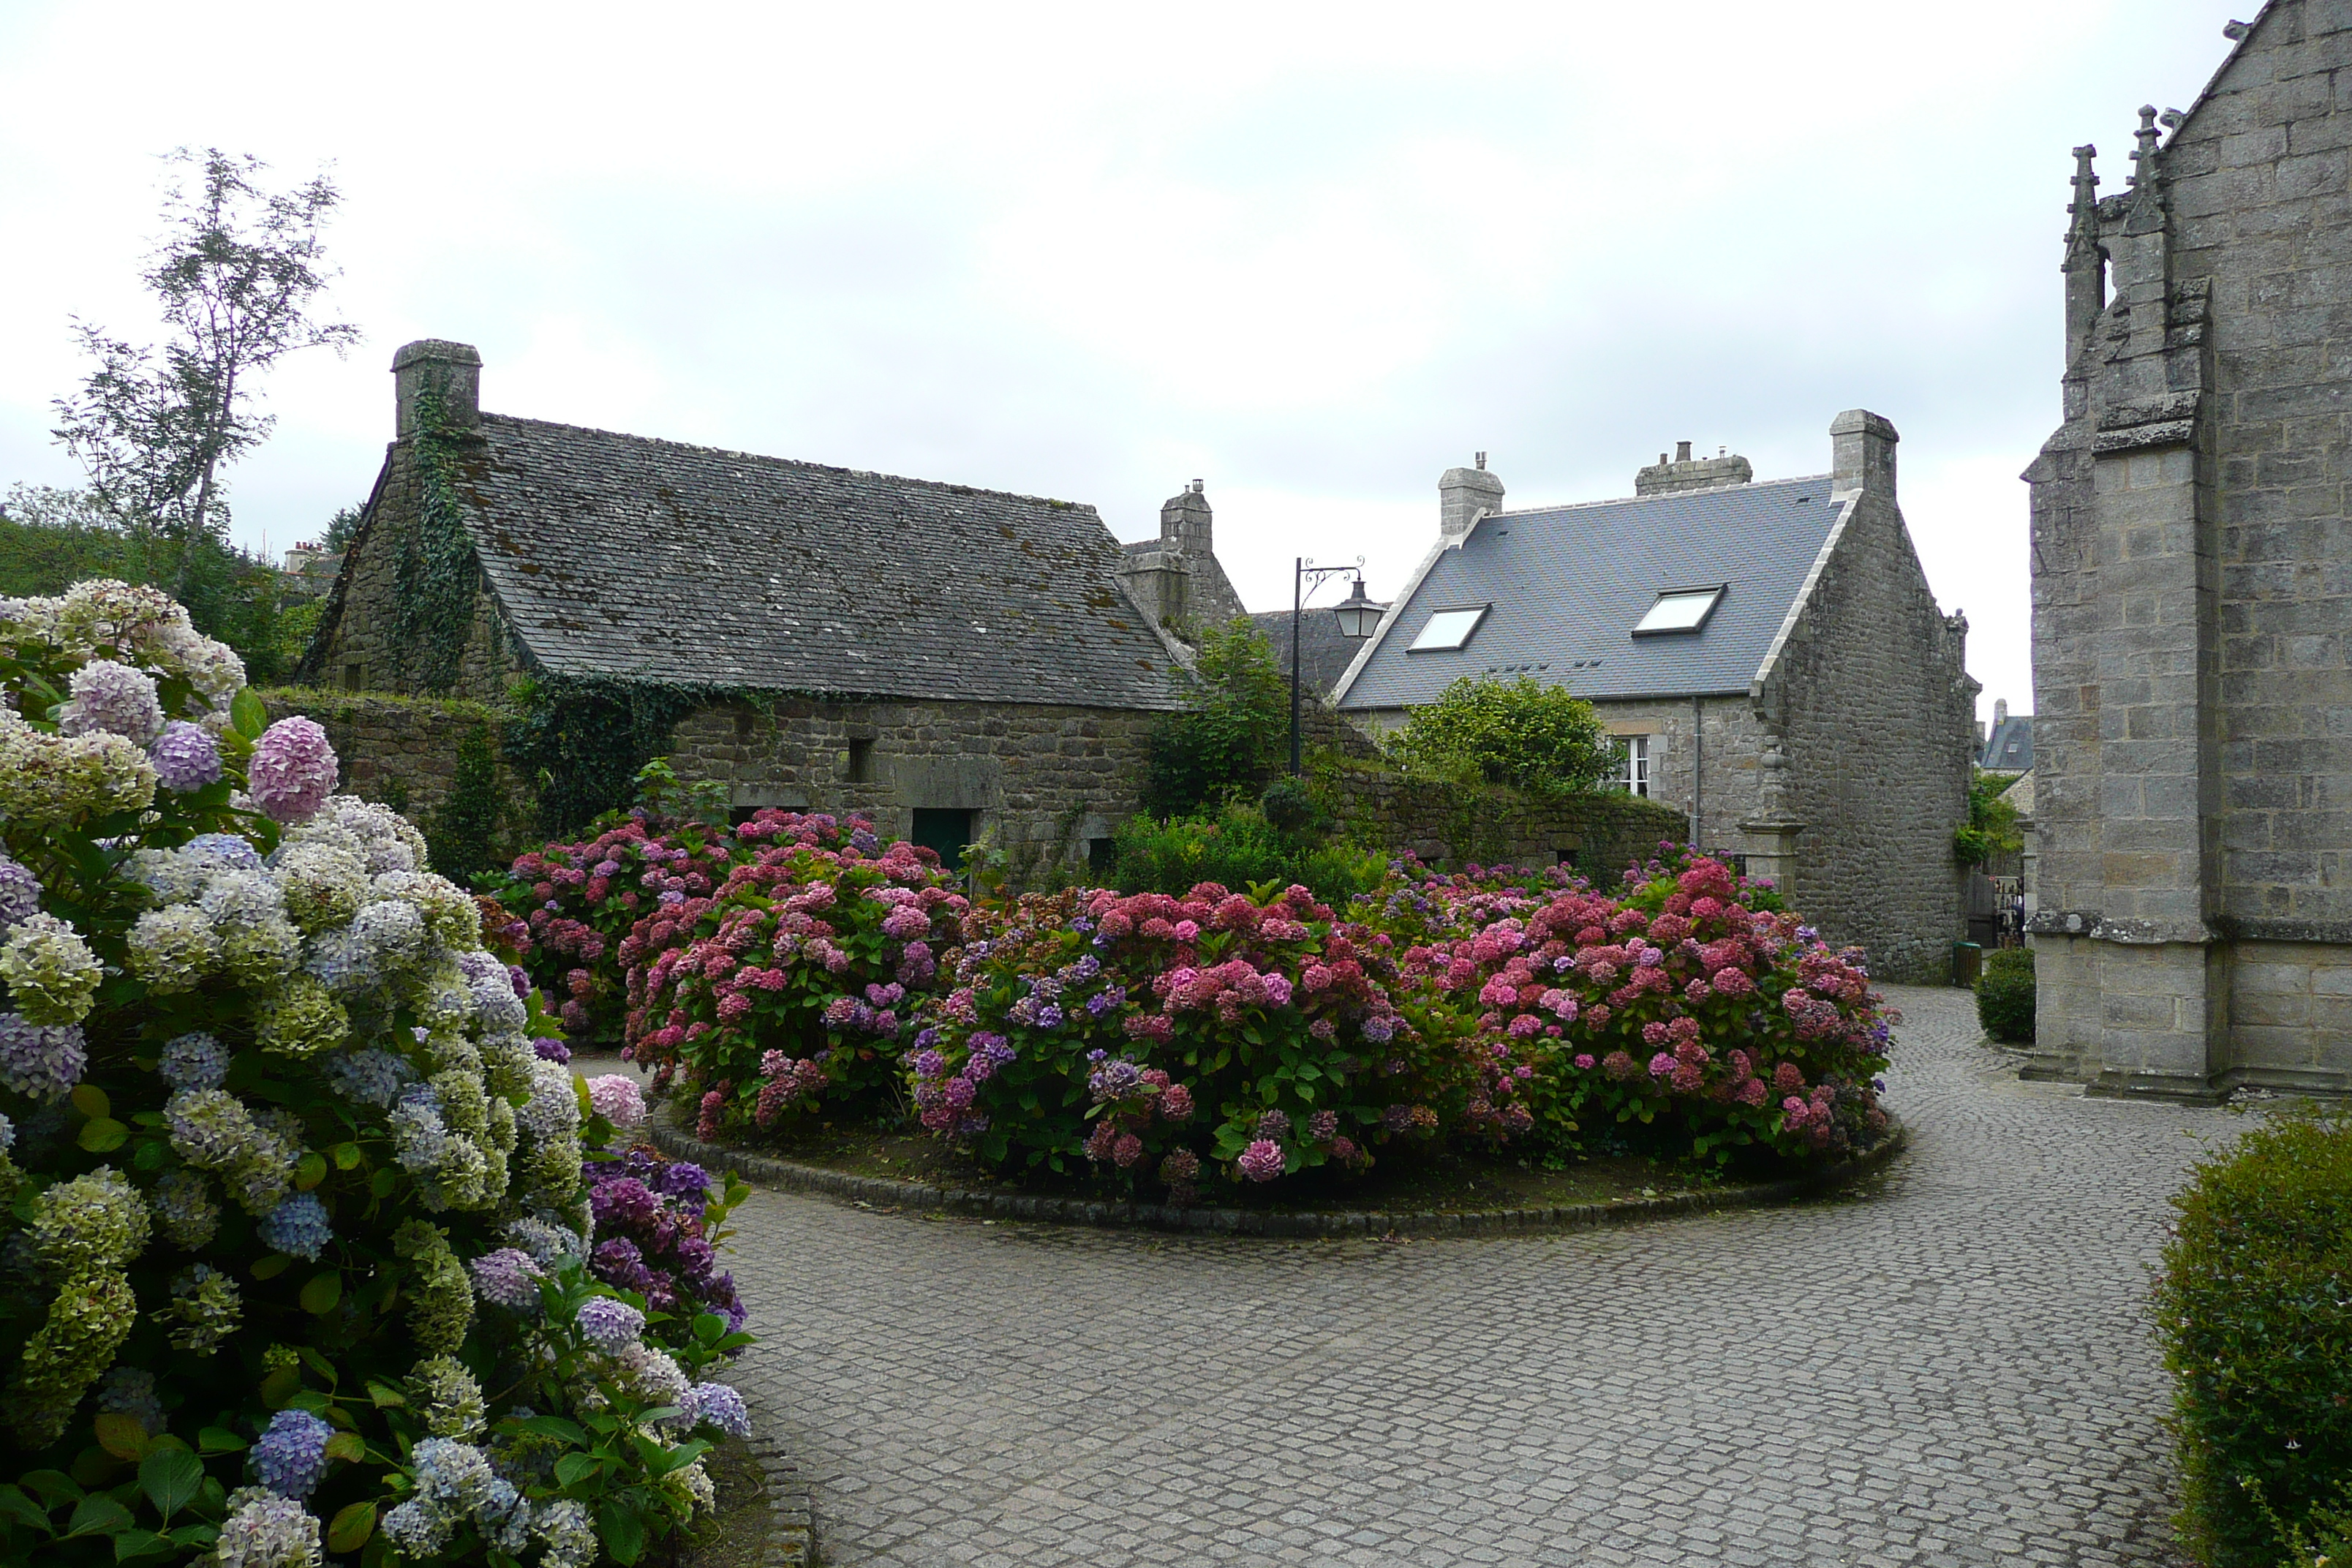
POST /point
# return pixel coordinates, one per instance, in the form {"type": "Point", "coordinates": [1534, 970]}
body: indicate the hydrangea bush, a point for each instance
{"type": "Point", "coordinates": [1152, 1038]}
{"type": "Point", "coordinates": [287, 1186]}
{"type": "Point", "coordinates": [1689, 997]}
{"type": "Point", "coordinates": [794, 981]}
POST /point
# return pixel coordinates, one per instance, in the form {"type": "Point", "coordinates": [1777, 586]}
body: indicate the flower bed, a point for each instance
{"type": "Point", "coordinates": [294, 1201]}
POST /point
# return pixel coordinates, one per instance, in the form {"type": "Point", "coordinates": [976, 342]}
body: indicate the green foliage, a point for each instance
{"type": "Point", "coordinates": [1528, 735]}
{"type": "Point", "coordinates": [2005, 996]}
{"type": "Point", "coordinates": [436, 575]}
{"type": "Point", "coordinates": [664, 802]}
{"type": "Point", "coordinates": [1237, 848]}
{"type": "Point", "coordinates": [1992, 823]}
{"type": "Point", "coordinates": [1291, 806]}
{"type": "Point", "coordinates": [2255, 1317]}
{"type": "Point", "coordinates": [585, 739]}
{"type": "Point", "coordinates": [463, 834]}
{"type": "Point", "coordinates": [1233, 730]}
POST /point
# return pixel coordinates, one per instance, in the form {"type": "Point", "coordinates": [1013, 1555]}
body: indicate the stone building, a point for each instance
{"type": "Point", "coordinates": [2009, 744]}
{"type": "Point", "coordinates": [958, 663]}
{"type": "Point", "coordinates": [1768, 656]}
{"type": "Point", "coordinates": [2193, 593]}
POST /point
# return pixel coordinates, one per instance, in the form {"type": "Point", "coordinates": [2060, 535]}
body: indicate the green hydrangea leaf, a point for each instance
{"type": "Point", "coordinates": [104, 1134]}
{"type": "Point", "coordinates": [322, 1292]}
{"type": "Point", "coordinates": [347, 1445]}
{"type": "Point", "coordinates": [271, 1267]}
{"type": "Point", "coordinates": [350, 1527]}
{"type": "Point", "coordinates": [249, 715]}
{"type": "Point", "coordinates": [311, 1171]}
{"type": "Point", "coordinates": [171, 1480]}
{"type": "Point", "coordinates": [219, 1440]}
{"type": "Point", "coordinates": [90, 1100]}
{"type": "Point", "coordinates": [121, 1435]}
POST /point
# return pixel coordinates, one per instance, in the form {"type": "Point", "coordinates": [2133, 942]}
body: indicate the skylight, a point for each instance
{"type": "Point", "coordinates": [1679, 610]}
{"type": "Point", "coordinates": [1448, 629]}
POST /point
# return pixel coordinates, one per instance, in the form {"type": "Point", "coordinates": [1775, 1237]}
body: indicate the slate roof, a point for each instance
{"type": "Point", "coordinates": [1568, 585]}
{"type": "Point", "coordinates": [622, 555]}
{"type": "Point", "coordinates": [2009, 747]}
{"type": "Point", "coordinates": [1326, 656]}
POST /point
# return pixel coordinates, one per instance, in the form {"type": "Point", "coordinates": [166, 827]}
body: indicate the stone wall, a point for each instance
{"type": "Point", "coordinates": [1050, 777]}
{"type": "Point", "coordinates": [2193, 675]}
{"type": "Point", "coordinates": [1870, 695]}
{"type": "Point", "coordinates": [1451, 827]}
{"type": "Point", "coordinates": [404, 750]}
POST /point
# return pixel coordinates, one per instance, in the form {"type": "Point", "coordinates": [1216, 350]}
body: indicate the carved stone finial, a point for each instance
{"type": "Point", "coordinates": [2144, 155]}
{"type": "Point", "coordinates": [2236, 30]}
{"type": "Point", "coordinates": [1772, 779]}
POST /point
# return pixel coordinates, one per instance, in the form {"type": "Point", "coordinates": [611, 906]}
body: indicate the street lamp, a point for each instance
{"type": "Point", "coordinates": [1358, 616]}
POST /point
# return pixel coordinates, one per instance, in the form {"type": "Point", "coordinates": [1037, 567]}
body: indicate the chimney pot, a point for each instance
{"type": "Point", "coordinates": [434, 371]}
{"type": "Point", "coordinates": [1682, 451]}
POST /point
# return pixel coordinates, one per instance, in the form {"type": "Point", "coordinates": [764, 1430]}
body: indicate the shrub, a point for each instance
{"type": "Point", "coordinates": [288, 1184]}
{"type": "Point", "coordinates": [1237, 848]}
{"type": "Point", "coordinates": [793, 979]}
{"type": "Point", "coordinates": [1992, 826]}
{"type": "Point", "coordinates": [1231, 731]}
{"type": "Point", "coordinates": [1524, 733]}
{"type": "Point", "coordinates": [659, 1224]}
{"type": "Point", "coordinates": [2005, 993]}
{"type": "Point", "coordinates": [1686, 999]}
{"type": "Point", "coordinates": [2257, 1330]}
{"type": "Point", "coordinates": [1155, 1037]}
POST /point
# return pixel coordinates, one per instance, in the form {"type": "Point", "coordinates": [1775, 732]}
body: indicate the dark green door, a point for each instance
{"type": "Point", "coordinates": [947, 831]}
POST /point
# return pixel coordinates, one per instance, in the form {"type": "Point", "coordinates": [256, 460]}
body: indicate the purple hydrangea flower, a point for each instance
{"type": "Point", "coordinates": [185, 756]}
{"type": "Point", "coordinates": [550, 1050]}
{"type": "Point", "coordinates": [20, 893]}
{"type": "Point", "coordinates": [717, 1405]}
{"type": "Point", "coordinates": [293, 771]}
{"type": "Point", "coordinates": [682, 1180]}
{"type": "Point", "coordinates": [112, 698]}
{"type": "Point", "coordinates": [291, 1456]}
{"type": "Point", "coordinates": [40, 1061]}
{"type": "Point", "coordinates": [507, 1277]}
{"type": "Point", "coordinates": [625, 1202]}
{"type": "Point", "coordinates": [611, 1325]}
{"type": "Point", "coordinates": [194, 1061]}
{"type": "Point", "coordinates": [298, 1227]}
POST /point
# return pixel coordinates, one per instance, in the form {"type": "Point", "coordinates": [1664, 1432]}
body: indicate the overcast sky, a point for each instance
{"type": "Point", "coordinates": [1313, 256]}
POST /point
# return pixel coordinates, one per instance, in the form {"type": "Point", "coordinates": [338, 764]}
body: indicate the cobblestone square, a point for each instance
{"type": "Point", "coordinates": [1951, 1366]}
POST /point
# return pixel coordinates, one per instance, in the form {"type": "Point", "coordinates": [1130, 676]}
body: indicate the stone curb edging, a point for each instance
{"type": "Point", "coordinates": [792, 1526]}
{"type": "Point", "coordinates": [880, 1192]}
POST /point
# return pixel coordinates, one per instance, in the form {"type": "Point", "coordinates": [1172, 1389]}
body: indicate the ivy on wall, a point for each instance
{"type": "Point", "coordinates": [584, 737]}
{"type": "Point", "coordinates": [436, 576]}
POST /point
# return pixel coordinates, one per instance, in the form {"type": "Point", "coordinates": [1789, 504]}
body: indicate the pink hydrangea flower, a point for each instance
{"type": "Point", "coordinates": [293, 771]}
{"type": "Point", "coordinates": [617, 1098]}
{"type": "Point", "coordinates": [1262, 1160]}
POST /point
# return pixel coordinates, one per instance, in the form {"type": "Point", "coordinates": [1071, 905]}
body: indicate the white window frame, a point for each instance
{"type": "Point", "coordinates": [1705, 598]}
{"type": "Point", "coordinates": [1637, 776]}
{"type": "Point", "coordinates": [1478, 613]}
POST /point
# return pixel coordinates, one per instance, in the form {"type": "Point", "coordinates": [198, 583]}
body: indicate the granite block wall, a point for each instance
{"type": "Point", "coordinates": [404, 750]}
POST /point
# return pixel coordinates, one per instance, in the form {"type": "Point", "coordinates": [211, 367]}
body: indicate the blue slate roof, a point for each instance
{"type": "Point", "coordinates": [2009, 747]}
{"type": "Point", "coordinates": [1568, 585]}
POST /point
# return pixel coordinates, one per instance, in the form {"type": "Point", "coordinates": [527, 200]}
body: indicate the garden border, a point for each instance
{"type": "Point", "coordinates": [790, 1530]}
{"type": "Point", "coordinates": [882, 1192]}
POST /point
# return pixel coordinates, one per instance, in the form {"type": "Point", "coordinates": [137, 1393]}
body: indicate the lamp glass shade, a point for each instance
{"type": "Point", "coordinates": [1358, 615]}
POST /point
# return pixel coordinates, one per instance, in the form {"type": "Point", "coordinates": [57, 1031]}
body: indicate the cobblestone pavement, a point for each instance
{"type": "Point", "coordinates": [1951, 1367]}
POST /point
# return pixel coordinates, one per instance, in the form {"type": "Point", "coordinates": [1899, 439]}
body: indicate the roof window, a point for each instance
{"type": "Point", "coordinates": [1680, 610]}
{"type": "Point", "coordinates": [1449, 629]}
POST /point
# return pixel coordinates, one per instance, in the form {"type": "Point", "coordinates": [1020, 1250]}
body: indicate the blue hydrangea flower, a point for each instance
{"type": "Point", "coordinates": [194, 1061]}
{"type": "Point", "coordinates": [224, 849]}
{"type": "Point", "coordinates": [186, 757]}
{"type": "Point", "coordinates": [717, 1405]}
{"type": "Point", "coordinates": [508, 1278]}
{"type": "Point", "coordinates": [291, 1457]}
{"type": "Point", "coordinates": [610, 1324]}
{"type": "Point", "coordinates": [299, 1228]}
{"type": "Point", "coordinates": [40, 1061]}
{"type": "Point", "coordinates": [20, 893]}
{"type": "Point", "coordinates": [367, 1077]}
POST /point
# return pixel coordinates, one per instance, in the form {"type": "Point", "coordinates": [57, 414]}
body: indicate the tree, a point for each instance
{"type": "Point", "coordinates": [1992, 827]}
{"type": "Point", "coordinates": [1523, 733]}
{"type": "Point", "coordinates": [237, 273]}
{"type": "Point", "coordinates": [1229, 734]}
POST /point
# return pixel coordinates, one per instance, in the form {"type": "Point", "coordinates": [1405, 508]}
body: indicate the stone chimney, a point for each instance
{"type": "Point", "coordinates": [1186, 523]}
{"type": "Point", "coordinates": [1999, 712]}
{"type": "Point", "coordinates": [1861, 446]}
{"type": "Point", "coordinates": [1463, 496]}
{"type": "Point", "coordinates": [430, 369]}
{"type": "Point", "coordinates": [1688, 473]}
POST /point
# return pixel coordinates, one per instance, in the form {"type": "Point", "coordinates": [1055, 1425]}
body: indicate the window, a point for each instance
{"type": "Point", "coordinates": [1679, 610]}
{"type": "Point", "coordinates": [943, 830]}
{"type": "Point", "coordinates": [355, 677]}
{"type": "Point", "coordinates": [1448, 629]}
{"type": "Point", "coordinates": [858, 767]}
{"type": "Point", "coordinates": [1102, 855]}
{"type": "Point", "coordinates": [1635, 749]}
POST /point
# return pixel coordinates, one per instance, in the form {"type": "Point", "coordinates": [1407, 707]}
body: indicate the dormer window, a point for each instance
{"type": "Point", "coordinates": [1680, 610]}
{"type": "Point", "coordinates": [1449, 629]}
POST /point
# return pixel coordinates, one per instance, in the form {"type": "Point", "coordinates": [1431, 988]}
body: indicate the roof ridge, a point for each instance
{"type": "Point", "coordinates": [738, 454]}
{"type": "Point", "coordinates": [1664, 495]}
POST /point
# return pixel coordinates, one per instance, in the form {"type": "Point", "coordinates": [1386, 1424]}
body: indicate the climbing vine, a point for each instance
{"type": "Point", "coordinates": [463, 837]}
{"type": "Point", "coordinates": [584, 737]}
{"type": "Point", "coordinates": [436, 575]}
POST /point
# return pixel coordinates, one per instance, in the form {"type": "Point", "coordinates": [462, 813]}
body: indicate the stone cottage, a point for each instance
{"type": "Point", "coordinates": [1768, 656]}
{"type": "Point", "coordinates": [958, 663]}
{"type": "Point", "coordinates": [2193, 593]}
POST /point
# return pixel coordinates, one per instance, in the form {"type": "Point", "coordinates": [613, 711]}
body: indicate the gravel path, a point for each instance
{"type": "Point", "coordinates": [1950, 1367]}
